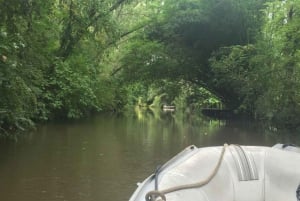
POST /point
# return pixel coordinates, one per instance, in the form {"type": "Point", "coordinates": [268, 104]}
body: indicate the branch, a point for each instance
{"type": "Point", "coordinates": [116, 70]}
{"type": "Point", "coordinates": [126, 34]}
{"type": "Point", "coordinates": [72, 41]}
{"type": "Point", "coordinates": [100, 15]}
{"type": "Point", "coordinates": [117, 5]}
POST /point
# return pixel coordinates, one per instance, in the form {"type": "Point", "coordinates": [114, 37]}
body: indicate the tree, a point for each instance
{"type": "Point", "coordinates": [52, 55]}
{"type": "Point", "coordinates": [185, 36]}
{"type": "Point", "coordinates": [279, 47]}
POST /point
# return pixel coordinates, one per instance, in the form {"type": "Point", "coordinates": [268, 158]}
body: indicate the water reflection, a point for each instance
{"type": "Point", "coordinates": [102, 158]}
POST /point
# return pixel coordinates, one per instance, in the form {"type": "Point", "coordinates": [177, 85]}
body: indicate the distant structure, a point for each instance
{"type": "Point", "coordinates": [170, 108]}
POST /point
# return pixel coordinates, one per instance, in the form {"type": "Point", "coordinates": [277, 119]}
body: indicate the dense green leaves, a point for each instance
{"type": "Point", "coordinates": [265, 75]}
{"type": "Point", "coordinates": [281, 46]}
{"type": "Point", "coordinates": [51, 57]}
{"type": "Point", "coordinates": [183, 39]}
{"type": "Point", "coordinates": [233, 75]}
{"type": "Point", "coordinates": [244, 52]}
{"type": "Point", "coordinates": [70, 58]}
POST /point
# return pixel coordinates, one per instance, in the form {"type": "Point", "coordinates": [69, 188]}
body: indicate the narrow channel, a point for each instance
{"type": "Point", "coordinates": [102, 158]}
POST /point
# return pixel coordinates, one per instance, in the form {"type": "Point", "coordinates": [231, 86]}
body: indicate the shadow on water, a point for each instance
{"type": "Point", "coordinates": [102, 158]}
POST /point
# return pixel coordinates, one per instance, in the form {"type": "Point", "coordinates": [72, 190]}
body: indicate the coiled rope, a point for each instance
{"type": "Point", "coordinates": [152, 195]}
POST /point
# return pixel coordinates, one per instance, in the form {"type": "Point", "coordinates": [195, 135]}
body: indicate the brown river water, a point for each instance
{"type": "Point", "coordinates": [102, 158]}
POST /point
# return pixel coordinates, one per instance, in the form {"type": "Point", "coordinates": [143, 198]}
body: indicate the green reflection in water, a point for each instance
{"type": "Point", "coordinates": [102, 158]}
{"type": "Point", "coordinates": [167, 129]}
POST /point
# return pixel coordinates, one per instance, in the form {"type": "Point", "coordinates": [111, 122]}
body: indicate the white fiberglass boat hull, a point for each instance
{"type": "Point", "coordinates": [246, 173]}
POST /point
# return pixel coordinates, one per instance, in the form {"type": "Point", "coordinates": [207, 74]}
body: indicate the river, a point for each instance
{"type": "Point", "coordinates": [102, 158]}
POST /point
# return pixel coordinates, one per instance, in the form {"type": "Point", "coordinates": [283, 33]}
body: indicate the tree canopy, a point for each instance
{"type": "Point", "coordinates": [70, 58]}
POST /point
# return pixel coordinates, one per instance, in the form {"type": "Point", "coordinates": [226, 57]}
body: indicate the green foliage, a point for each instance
{"type": "Point", "coordinates": [146, 61]}
{"type": "Point", "coordinates": [235, 76]}
{"type": "Point", "coordinates": [281, 46]}
{"type": "Point", "coordinates": [183, 38]}
{"type": "Point", "coordinates": [70, 58]}
{"type": "Point", "coordinates": [182, 94]}
{"type": "Point", "coordinates": [72, 91]}
{"type": "Point", "coordinates": [265, 76]}
{"type": "Point", "coordinates": [51, 57]}
{"type": "Point", "coordinates": [192, 96]}
{"type": "Point", "coordinates": [20, 78]}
